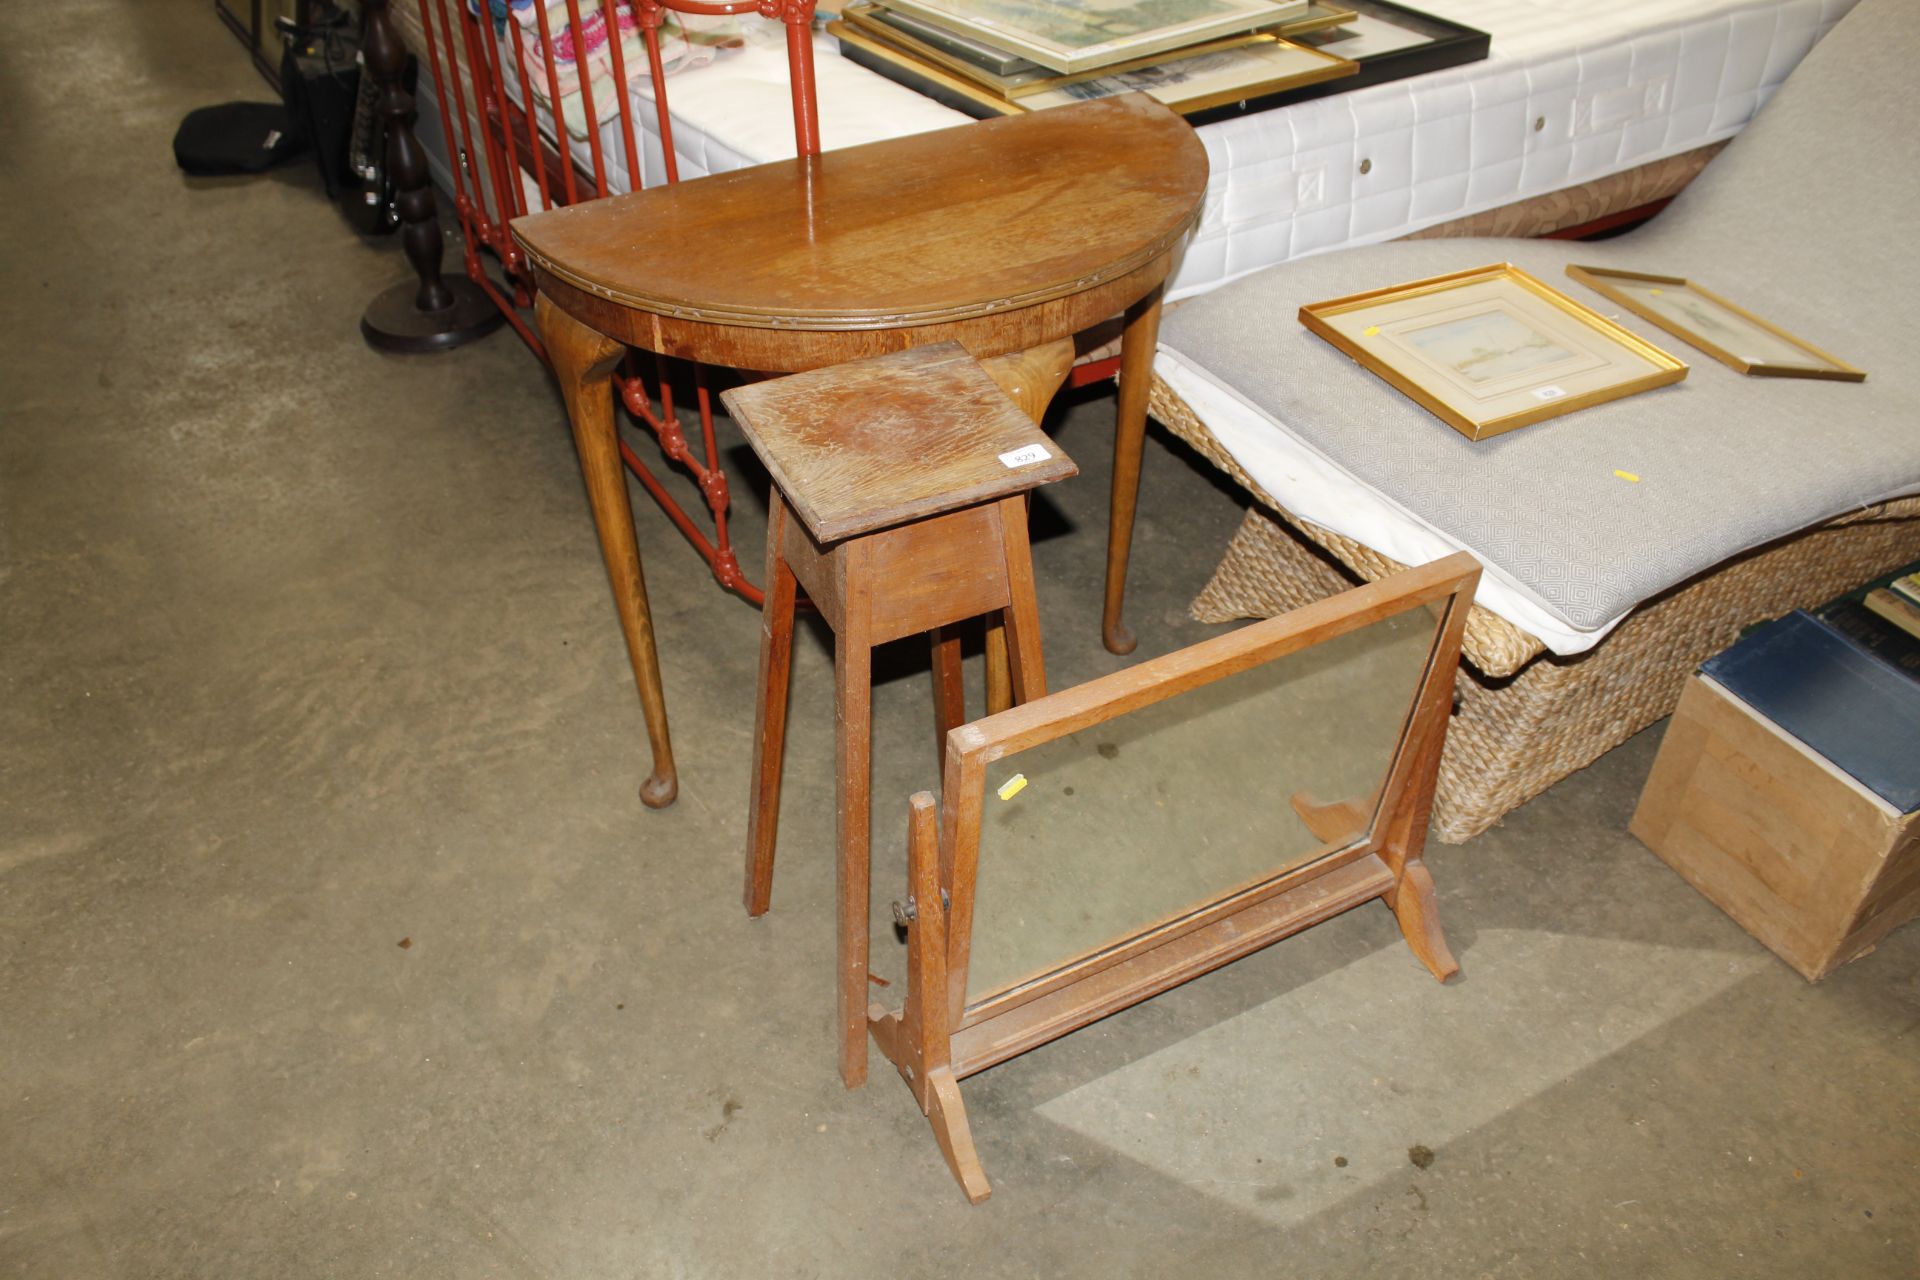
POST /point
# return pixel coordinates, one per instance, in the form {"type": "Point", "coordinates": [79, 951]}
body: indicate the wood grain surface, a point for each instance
{"type": "Point", "coordinates": [946, 225]}
{"type": "Point", "coordinates": [880, 442]}
{"type": "Point", "coordinates": [1802, 856]}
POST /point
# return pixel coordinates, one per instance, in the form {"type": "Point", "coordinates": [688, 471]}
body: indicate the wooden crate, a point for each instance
{"type": "Point", "coordinates": [1806, 859]}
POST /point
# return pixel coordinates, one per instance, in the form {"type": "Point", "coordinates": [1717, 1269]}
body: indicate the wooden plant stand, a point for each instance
{"type": "Point", "coordinates": [899, 506]}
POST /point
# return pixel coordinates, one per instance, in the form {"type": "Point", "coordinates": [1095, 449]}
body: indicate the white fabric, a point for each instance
{"type": "Point", "coordinates": [1615, 85]}
{"type": "Point", "coordinates": [738, 112]}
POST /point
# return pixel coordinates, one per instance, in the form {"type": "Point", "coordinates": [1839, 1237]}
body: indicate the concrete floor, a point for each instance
{"type": "Point", "coordinates": [307, 653]}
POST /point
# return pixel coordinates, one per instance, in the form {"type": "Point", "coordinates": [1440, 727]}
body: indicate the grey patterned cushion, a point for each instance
{"type": "Point", "coordinates": [1808, 219]}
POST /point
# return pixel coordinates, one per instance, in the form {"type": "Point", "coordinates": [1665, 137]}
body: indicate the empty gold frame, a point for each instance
{"type": "Point", "coordinates": [1491, 349]}
{"type": "Point", "coordinates": [1701, 318]}
{"type": "Point", "coordinates": [1232, 853]}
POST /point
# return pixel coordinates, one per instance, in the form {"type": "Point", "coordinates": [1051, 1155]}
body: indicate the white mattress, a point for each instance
{"type": "Point", "coordinates": [1694, 72]}
{"type": "Point", "coordinates": [1573, 90]}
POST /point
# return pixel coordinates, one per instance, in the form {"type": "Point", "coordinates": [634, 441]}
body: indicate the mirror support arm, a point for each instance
{"type": "Point", "coordinates": [918, 1040]}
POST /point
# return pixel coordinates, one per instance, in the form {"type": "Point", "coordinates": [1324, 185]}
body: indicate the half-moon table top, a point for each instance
{"type": "Point", "coordinates": [935, 228]}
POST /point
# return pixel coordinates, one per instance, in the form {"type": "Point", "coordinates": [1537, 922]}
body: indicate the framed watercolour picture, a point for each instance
{"type": "Point", "coordinates": [1070, 36]}
{"type": "Point", "coordinates": [1195, 84]}
{"type": "Point", "coordinates": [1492, 349]}
{"type": "Point", "coordinates": [1012, 76]}
{"type": "Point", "coordinates": [1732, 335]}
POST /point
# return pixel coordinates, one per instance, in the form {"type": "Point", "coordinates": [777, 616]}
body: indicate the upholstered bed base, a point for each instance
{"type": "Point", "coordinates": [1526, 719]}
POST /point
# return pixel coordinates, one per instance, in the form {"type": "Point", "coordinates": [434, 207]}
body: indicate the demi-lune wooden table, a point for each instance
{"type": "Point", "coordinates": [1007, 236]}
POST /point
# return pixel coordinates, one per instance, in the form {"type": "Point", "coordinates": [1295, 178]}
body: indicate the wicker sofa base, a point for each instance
{"type": "Point", "coordinates": [1522, 726]}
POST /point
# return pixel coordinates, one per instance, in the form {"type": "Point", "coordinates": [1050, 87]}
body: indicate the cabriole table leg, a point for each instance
{"type": "Point", "coordinates": [583, 360]}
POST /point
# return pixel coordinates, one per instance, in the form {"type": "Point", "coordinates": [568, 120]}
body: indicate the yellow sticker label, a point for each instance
{"type": "Point", "coordinates": [1013, 786]}
{"type": "Point", "coordinates": [1627, 475]}
{"type": "Point", "coordinates": [1656, 292]}
{"type": "Point", "coordinates": [1370, 330]}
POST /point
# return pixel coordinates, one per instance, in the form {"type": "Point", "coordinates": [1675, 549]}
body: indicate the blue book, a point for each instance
{"type": "Point", "coordinates": [1849, 706]}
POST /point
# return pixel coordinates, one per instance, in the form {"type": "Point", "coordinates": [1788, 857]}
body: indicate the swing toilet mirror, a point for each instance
{"type": "Point", "coordinates": [1107, 842]}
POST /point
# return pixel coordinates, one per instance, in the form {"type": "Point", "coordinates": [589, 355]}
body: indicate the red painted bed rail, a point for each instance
{"type": "Point", "coordinates": [511, 155]}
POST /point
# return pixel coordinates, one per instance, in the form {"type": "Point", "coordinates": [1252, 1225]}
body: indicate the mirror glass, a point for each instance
{"type": "Point", "coordinates": [1088, 840]}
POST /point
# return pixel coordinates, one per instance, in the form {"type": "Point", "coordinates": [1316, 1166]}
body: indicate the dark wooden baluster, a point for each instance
{"type": "Point", "coordinates": [430, 312]}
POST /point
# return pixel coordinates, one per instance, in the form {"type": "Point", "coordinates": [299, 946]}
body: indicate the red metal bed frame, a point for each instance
{"type": "Point", "coordinates": [512, 142]}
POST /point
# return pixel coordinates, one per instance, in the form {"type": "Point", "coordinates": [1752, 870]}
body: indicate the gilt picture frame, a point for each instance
{"type": "Point", "coordinates": [1724, 330]}
{"type": "Point", "coordinates": [1071, 37]}
{"type": "Point", "coordinates": [1491, 349]}
{"type": "Point", "coordinates": [1250, 70]}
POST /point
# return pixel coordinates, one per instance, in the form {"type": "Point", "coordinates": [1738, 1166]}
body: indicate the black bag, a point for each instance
{"type": "Point", "coordinates": [235, 137]}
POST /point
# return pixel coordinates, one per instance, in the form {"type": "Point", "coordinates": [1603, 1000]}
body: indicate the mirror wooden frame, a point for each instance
{"type": "Point", "coordinates": [936, 1039]}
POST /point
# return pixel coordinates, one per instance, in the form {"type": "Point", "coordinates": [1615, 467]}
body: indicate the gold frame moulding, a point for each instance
{"type": "Point", "coordinates": [1820, 364]}
{"type": "Point", "coordinates": [1491, 349]}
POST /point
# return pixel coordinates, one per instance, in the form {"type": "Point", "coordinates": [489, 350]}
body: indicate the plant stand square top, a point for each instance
{"type": "Point", "coordinates": [877, 443]}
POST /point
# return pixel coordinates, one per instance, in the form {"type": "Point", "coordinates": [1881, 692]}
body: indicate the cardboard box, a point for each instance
{"type": "Point", "coordinates": [1806, 859]}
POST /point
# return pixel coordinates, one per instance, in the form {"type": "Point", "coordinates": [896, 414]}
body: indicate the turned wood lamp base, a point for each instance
{"type": "Point", "coordinates": [395, 321]}
{"type": "Point", "coordinates": [429, 312]}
